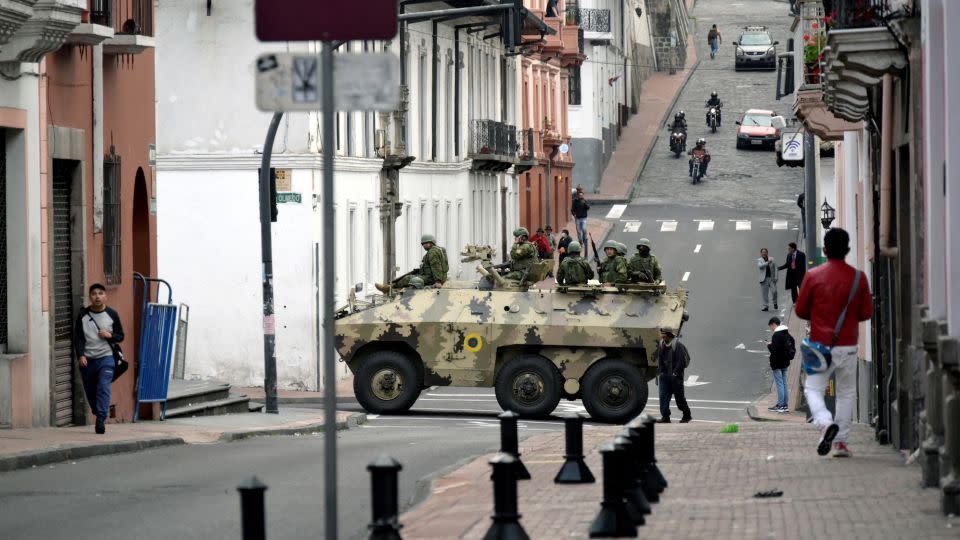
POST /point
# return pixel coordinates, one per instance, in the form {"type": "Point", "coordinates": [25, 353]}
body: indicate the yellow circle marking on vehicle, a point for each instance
{"type": "Point", "coordinates": [473, 342]}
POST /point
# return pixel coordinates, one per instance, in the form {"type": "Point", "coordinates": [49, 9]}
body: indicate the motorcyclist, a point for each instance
{"type": "Point", "coordinates": [700, 150]}
{"type": "Point", "coordinates": [714, 101]}
{"type": "Point", "coordinates": [680, 125]}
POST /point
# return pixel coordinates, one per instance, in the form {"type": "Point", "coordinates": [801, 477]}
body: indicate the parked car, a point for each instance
{"type": "Point", "coordinates": [755, 49]}
{"type": "Point", "coordinates": [759, 128]}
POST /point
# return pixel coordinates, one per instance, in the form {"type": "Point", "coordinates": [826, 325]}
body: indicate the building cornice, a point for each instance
{"type": "Point", "coordinates": [13, 13]}
{"type": "Point", "coordinates": [44, 32]}
{"type": "Point", "coordinates": [215, 161]}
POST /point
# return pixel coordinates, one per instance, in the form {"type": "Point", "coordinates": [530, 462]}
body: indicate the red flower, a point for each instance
{"type": "Point", "coordinates": [815, 25]}
{"type": "Point", "coordinates": [806, 37]}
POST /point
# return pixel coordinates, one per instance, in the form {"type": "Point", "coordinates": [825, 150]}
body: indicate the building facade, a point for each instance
{"type": "Point", "coordinates": [76, 115]}
{"type": "Point", "coordinates": [877, 79]}
{"type": "Point", "coordinates": [442, 164]}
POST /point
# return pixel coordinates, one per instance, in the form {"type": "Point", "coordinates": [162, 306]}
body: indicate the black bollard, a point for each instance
{"type": "Point", "coordinates": [574, 469]}
{"type": "Point", "coordinates": [506, 517]}
{"type": "Point", "coordinates": [384, 493]}
{"type": "Point", "coordinates": [650, 440]}
{"type": "Point", "coordinates": [614, 517]}
{"type": "Point", "coordinates": [509, 444]}
{"type": "Point", "coordinates": [645, 481]}
{"type": "Point", "coordinates": [253, 521]}
{"type": "Point", "coordinates": [632, 490]}
{"type": "Point", "coordinates": [620, 445]}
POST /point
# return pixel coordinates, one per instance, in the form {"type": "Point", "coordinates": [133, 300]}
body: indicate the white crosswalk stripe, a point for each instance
{"type": "Point", "coordinates": [705, 225]}
{"type": "Point", "coordinates": [668, 226]}
{"type": "Point", "coordinates": [616, 211]}
{"type": "Point", "coordinates": [779, 225]}
{"type": "Point", "coordinates": [631, 226]}
{"type": "Point", "coordinates": [743, 225]}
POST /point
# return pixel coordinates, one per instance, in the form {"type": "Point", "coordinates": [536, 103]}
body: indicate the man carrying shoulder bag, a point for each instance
{"type": "Point", "coordinates": [96, 334]}
{"type": "Point", "coordinates": [835, 298]}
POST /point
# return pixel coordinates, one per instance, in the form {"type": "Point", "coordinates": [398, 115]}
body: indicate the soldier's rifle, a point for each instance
{"type": "Point", "coordinates": [596, 257]}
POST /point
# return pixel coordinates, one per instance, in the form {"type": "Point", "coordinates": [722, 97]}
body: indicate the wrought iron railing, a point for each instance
{"type": "Point", "coordinates": [857, 13]}
{"type": "Point", "coordinates": [489, 137]}
{"type": "Point", "coordinates": [572, 13]}
{"type": "Point", "coordinates": [595, 20]}
{"type": "Point", "coordinates": [529, 143]}
{"type": "Point", "coordinates": [133, 17]}
{"type": "Point", "coordinates": [101, 12]}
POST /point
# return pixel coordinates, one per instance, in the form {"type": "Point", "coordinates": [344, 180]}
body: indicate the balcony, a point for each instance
{"type": "Point", "coordinates": [31, 29]}
{"type": "Point", "coordinates": [531, 150]}
{"type": "Point", "coordinates": [596, 24]}
{"type": "Point", "coordinates": [493, 145]}
{"type": "Point", "coordinates": [812, 111]}
{"type": "Point", "coordinates": [564, 43]}
{"type": "Point", "coordinates": [860, 49]}
{"type": "Point", "coordinates": [132, 25]}
{"type": "Point", "coordinates": [96, 24]}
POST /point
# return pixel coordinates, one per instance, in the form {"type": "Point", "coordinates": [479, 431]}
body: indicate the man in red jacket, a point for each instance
{"type": "Point", "coordinates": [822, 299]}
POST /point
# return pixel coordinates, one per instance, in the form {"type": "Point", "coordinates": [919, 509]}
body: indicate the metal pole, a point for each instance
{"type": "Point", "coordinates": [329, 364]}
{"type": "Point", "coordinates": [810, 193]}
{"type": "Point", "coordinates": [266, 256]}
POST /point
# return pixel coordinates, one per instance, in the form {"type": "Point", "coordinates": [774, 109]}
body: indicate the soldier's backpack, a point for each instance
{"type": "Point", "coordinates": [446, 264]}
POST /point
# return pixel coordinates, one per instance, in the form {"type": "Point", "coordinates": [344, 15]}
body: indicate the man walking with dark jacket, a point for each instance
{"type": "Point", "coordinates": [782, 349]}
{"type": "Point", "coordinates": [796, 267]}
{"type": "Point", "coordinates": [672, 359]}
{"type": "Point", "coordinates": [579, 210]}
{"type": "Point", "coordinates": [96, 330]}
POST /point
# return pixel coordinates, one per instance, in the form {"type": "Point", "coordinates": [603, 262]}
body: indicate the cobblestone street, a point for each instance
{"type": "Point", "coordinates": [740, 179]}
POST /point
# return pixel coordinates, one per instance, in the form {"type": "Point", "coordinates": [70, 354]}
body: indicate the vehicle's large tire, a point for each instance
{"type": "Point", "coordinates": [530, 386]}
{"type": "Point", "coordinates": [614, 391]}
{"type": "Point", "coordinates": [386, 382]}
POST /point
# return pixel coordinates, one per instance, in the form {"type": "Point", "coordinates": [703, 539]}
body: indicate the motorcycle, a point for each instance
{"type": "Point", "coordinates": [712, 118]}
{"type": "Point", "coordinates": [678, 141]}
{"type": "Point", "coordinates": [697, 172]}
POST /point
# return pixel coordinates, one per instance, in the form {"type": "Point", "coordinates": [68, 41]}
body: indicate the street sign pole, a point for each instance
{"type": "Point", "coordinates": [329, 362]}
{"type": "Point", "coordinates": [266, 256]}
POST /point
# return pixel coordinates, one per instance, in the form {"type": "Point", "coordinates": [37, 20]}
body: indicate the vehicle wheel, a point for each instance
{"type": "Point", "coordinates": [386, 382]}
{"type": "Point", "coordinates": [530, 386]}
{"type": "Point", "coordinates": [614, 391]}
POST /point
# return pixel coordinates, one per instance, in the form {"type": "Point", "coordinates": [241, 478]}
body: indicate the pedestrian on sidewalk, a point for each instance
{"type": "Point", "coordinates": [803, 214]}
{"type": "Point", "coordinates": [96, 329]}
{"type": "Point", "coordinates": [562, 245]}
{"type": "Point", "coordinates": [579, 209]}
{"type": "Point", "coordinates": [782, 349]}
{"type": "Point", "coordinates": [714, 39]}
{"type": "Point", "coordinates": [768, 279]}
{"type": "Point", "coordinates": [835, 298]}
{"type": "Point", "coordinates": [672, 359]}
{"type": "Point", "coordinates": [796, 267]}
{"type": "Point", "coordinates": [551, 239]}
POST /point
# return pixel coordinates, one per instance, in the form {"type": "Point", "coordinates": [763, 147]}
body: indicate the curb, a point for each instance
{"type": "Point", "coordinates": [56, 455]}
{"type": "Point", "coordinates": [68, 453]}
{"type": "Point", "coordinates": [353, 420]}
{"type": "Point", "coordinates": [755, 415]}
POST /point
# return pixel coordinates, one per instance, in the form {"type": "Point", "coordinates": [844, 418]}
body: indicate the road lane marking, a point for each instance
{"type": "Point", "coordinates": [694, 380]}
{"type": "Point", "coordinates": [686, 276]}
{"type": "Point", "coordinates": [779, 225]}
{"type": "Point", "coordinates": [668, 226]}
{"type": "Point", "coordinates": [616, 211]}
{"type": "Point", "coordinates": [631, 226]}
{"type": "Point", "coordinates": [742, 225]}
{"type": "Point", "coordinates": [705, 225]}
{"type": "Point", "coordinates": [697, 249]}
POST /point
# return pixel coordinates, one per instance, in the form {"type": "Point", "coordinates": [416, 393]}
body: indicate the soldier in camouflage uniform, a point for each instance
{"type": "Point", "coordinates": [522, 255]}
{"type": "Point", "coordinates": [574, 270]}
{"type": "Point", "coordinates": [433, 268]}
{"type": "Point", "coordinates": [644, 267]}
{"type": "Point", "coordinates": [614, 268]}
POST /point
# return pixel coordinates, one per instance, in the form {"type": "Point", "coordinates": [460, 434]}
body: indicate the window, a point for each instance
{"type": "Point", "coordinates": [573, 85]}
{"type": "Point", "coordinates": [111, 218]}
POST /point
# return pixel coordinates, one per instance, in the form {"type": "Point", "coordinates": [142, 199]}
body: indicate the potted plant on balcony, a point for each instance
{"type": "Point", "coordinates": [813, 57]}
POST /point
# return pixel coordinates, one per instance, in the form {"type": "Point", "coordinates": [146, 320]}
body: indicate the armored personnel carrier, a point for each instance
{"type": "Point", "coordinates": [534, 346]}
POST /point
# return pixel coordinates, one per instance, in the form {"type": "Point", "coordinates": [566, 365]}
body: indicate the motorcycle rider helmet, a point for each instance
{"type": "Point", "coordinates": [682, 115]}
{"type": "Point", "coordinates": [713, 95]}
{"type": "Point", "coordinates": [701, 142]}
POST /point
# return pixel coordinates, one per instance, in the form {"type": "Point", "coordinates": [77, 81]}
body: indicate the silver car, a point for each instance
{"type": "Point", "coordinates": [755, 49]}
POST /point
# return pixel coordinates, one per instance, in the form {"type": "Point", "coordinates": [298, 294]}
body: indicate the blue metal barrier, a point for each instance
{"type": "Point", "coordinates": [158, 325]}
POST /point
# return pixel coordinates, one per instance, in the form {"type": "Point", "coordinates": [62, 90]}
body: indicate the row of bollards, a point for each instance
{"type": "Point", "coordinates": [631, 481]}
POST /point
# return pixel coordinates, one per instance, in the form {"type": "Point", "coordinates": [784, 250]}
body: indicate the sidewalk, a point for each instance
{"type": "Point", "coordinates": [294, 397]}
{"type": "Point", "coordinates": [23, 448]}
{"type": "Point", "coordinates": [658, 94]}
{"type": "Point", "coordinates": [713, 477]}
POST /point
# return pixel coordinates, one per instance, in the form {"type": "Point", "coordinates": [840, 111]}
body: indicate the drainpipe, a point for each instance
{"type": "Point", "coordinates": [886, 136]}
{"type": "Point", "coordinates": [97, 127]}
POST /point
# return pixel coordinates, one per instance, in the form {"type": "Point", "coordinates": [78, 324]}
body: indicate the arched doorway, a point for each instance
{"type": "Point", "coordinates": [141, 225]}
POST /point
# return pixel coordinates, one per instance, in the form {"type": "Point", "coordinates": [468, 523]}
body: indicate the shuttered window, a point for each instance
{"type": "Point", "coordinates": [111, 218]}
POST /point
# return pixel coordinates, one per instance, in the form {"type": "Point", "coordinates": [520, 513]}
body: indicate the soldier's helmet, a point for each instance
{"type": "Point", "coordinates": [417, 282]}
{"type": "Point", "coordinates": [643, 242]}
{"type": "Point", "coordinates": [573, 247]}
{"type": "Point", "coordinates": [428, 238]}
{"type": "Point", "coordinates": [521, 231]}
{"type": "Point", "coordinates": [621, 249]}
{"type": "Point", "coordinates": [611, 244]}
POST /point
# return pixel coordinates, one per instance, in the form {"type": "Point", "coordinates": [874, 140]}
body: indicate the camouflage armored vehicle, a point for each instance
{"type": "Point", "coordinates": [533, 346]}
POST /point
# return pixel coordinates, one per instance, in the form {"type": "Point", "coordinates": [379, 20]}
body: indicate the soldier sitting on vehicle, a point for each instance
{"type": "Point", "coordinates": [522, 255]}
{"type": "Point", "coordinates": [574, 269]}
{"type": "Point", "coordinates": [613, 269]}
{"type": "Point", "coordinates": [433, 268]}
{"type": "Point", "coordinates": [644, 267]}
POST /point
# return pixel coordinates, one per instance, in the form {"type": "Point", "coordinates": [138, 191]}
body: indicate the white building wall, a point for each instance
{"type": "Point", "coordinates": [208, 231]}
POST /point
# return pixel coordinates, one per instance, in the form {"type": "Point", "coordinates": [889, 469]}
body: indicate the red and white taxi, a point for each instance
{"type": "Point", "coordinates": [759, 128]}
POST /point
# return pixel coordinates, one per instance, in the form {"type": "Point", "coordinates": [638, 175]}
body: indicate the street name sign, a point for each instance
{"type": "Point", "coordinates": [327, 20]}
{"type": "Point", "coordinates": [288, 197]}
{"type": "Point", "coordinates": [361, 81]}
{"type": "Point", "coordinates": [791, 146]}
